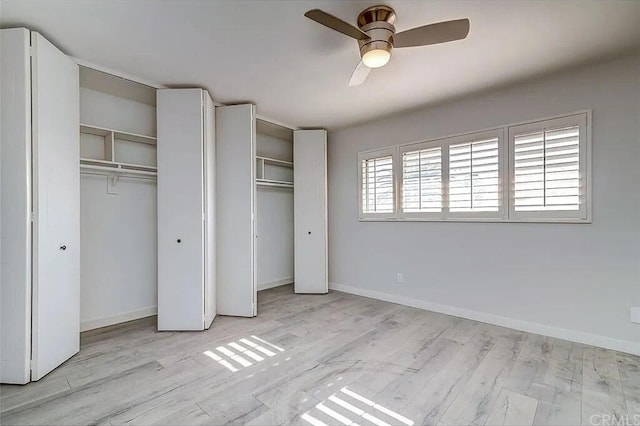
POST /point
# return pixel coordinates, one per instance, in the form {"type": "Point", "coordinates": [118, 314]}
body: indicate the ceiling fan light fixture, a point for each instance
{"type": "Point", "coordinates": [376, 58]}
{"type": "Point", "coordinates": [376, 35]}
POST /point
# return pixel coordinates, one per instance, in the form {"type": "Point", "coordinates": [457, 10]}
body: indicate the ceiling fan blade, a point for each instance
{"type": "Point", "coordinates": [359, 75]}
{"type": "Point", "coordinates": [336, 24]}
{"type": "Point", "coordinates": [441, 32]}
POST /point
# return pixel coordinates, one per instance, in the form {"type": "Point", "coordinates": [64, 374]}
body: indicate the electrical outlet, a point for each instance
{"type": "Point", "coordinates": [399, 278]}
{"type": "Point", "coordinates": [635, 315]}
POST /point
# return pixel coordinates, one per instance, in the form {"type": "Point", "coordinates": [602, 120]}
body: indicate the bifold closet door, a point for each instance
{"type": "Point", "coordinates": [180, 209]}
{"type": "Point", "coordinates": [15, 156]}
{"type": "Point", "coordinates": [310, 211]}
{"type": "Point", "coordinates": [235, 210]}
{"type": "Point", "coordinates": [56, 206]}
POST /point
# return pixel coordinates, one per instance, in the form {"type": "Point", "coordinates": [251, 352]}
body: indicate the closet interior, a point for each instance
{"type": "Point", "coordinates": [118, 192]}
{"type": "Point", "coordinates": [274, 182]}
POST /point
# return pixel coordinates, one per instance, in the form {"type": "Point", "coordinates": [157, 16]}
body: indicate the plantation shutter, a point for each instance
{"type": "Point", "coordinates": [539, 173]}
{"type": "Point", "coordinates": [474, 176]}
{"type": "Point", "coordinates": [547, 170]}
{"type": "Point", "coordinates": [377, 185]}
{"type": "Point", "coordinates": [422, 180]}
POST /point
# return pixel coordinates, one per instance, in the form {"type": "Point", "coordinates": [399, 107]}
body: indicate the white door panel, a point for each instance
{"type": "Point", "coordinates": [180, 210]}
{"type": "Point", "coordinates": [56, 204]}
{"type": "Point", "coordinates": [310, 211]}
{"type": "Point", "coordinates": [235, 210]}
{"type": "Point", "coordinates": [15, 238]}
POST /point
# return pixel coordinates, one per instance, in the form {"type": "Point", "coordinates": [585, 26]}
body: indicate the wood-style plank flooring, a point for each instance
{"type": "Point", "coordinates": [337, 359]}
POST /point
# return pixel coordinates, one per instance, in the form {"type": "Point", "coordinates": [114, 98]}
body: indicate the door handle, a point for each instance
{"type": "Point", "coordinates": [63, 247]}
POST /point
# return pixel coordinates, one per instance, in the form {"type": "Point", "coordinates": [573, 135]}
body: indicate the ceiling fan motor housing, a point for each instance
{"type": "Point", "coordinates": [377, 22]}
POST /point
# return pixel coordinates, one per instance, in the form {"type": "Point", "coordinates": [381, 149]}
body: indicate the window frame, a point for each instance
{"type": "Point", "coordinates": [502, 174]}
{"type": "Point", "coordinates": [369, 155]}
{"type": "Point", "coordinates": [446, 214]}
{"type": "Point", "coordinates": [402, 215]}
{"type": "Point", "coordinates": [506, 152]}
{"type": "Point", "coordinates": [583, 215]}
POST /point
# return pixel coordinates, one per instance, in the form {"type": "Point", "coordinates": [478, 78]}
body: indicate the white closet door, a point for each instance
{"type": "Point", "coordinates": [310, 211]}
{"type": "Point", "coordinates": [15, 238]}
{"type": "Point", "coordinates": [235, 210]}
{"type": "Point", "coordinates": [210, 205]}
{"type": "Point", "coordinates": [56, 204]}
{"type": "Point", "coordinates": [180, 210]}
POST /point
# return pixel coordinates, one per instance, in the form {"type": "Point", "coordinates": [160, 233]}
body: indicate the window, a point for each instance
{"type": "Point", "coordinates": [458, 177]}
{"type": "Point", "coordinates": [475, 175]}
{"type": "Point", "coordinates": [422, 180]}
{"type": "Point", "coordinates": [377, 184]}
{"type": "Point", "coordinates": [549, 169]}
{"type": "Point", "coordinates": [541, 174]}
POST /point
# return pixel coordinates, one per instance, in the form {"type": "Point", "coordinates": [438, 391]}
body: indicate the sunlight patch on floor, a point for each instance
{"type": "Point", "coordinates": [243, 353]}
{"type": "Point", "coordinates": [347, 407]}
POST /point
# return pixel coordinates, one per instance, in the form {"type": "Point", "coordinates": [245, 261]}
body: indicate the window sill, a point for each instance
{"type": "Point", "coordinates": [476, 220]}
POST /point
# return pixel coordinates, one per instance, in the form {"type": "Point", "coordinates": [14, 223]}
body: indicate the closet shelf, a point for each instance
{"type": "Point", "coordinates": [275, 161]}
{"type": "Point", "coordinates": [117, 167]}
{"type": "Point", "coordinates": [274, 183]}
{"type": "Point", "coordinates": [117, 134]}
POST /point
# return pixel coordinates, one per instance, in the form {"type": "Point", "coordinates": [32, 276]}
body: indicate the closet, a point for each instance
{"type": "Point", "coordinates": [118, 212]}
{"type": "Point", "coordinates": [40, 208]}
{"type": "Point", "coordinates": [274, 205]}
{"type": "Point", "coordinates": [255, 188]}
{"type": "Point", "coordinates": [79, 242]}
{"type": "Point", "coordinates": [186, 207]}
{"type": "Point", "coordinates": [272, 208]}
{"type": "Point", "coordinates": [126, 201]}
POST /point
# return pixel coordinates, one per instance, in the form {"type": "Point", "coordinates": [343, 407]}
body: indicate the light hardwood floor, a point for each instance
{"type": "Point", "coordinates": [333, 359]}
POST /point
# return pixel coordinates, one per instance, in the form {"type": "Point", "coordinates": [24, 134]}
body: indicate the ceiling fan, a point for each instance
{"type": "Point", "coordinates": [376, 35]}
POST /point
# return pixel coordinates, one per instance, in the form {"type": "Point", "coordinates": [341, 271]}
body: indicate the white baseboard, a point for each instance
{"type": "Point", "coordinates": [272, 284]}
{"type": "Point", "coordinates": [521, 325]}
{"type": "Point", "coordinates": [117, 319]}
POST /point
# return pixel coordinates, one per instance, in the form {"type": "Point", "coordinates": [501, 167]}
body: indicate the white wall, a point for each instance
{"type": "Point", "coordinates": [119, 251]}
{"type": "Point", "coordinates": [274, 212]}
{"type": "Point", "coordinates": [104, 110]}
{"type": "Point", "coordinates": [275, 237]}
{"type": "Point", "coordinates": [576, 281]}
{"type": "Point", "coordinates": [118, 231]}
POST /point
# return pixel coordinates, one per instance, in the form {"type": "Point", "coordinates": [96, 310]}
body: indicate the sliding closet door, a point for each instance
{"type": "Point", "coordinates": [56, 205]}
{"type": "Point", "coordinates": [235, 210]}
{"type": "Point", "coordinates": [180, 210]}
{"type": "Point", "coordinates": [310, 211]}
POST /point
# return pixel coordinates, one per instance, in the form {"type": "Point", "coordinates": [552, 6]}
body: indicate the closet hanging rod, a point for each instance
{"type": "Point", "coordinates": [100, 173]}
{"type": "Point", "coordinates": [118, 170]}
{"type": "Point", "coordinates": [275, 184]}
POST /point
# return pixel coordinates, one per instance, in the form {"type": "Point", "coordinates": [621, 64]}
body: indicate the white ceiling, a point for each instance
{"type": "Point", "coordinates": [296, 71]}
